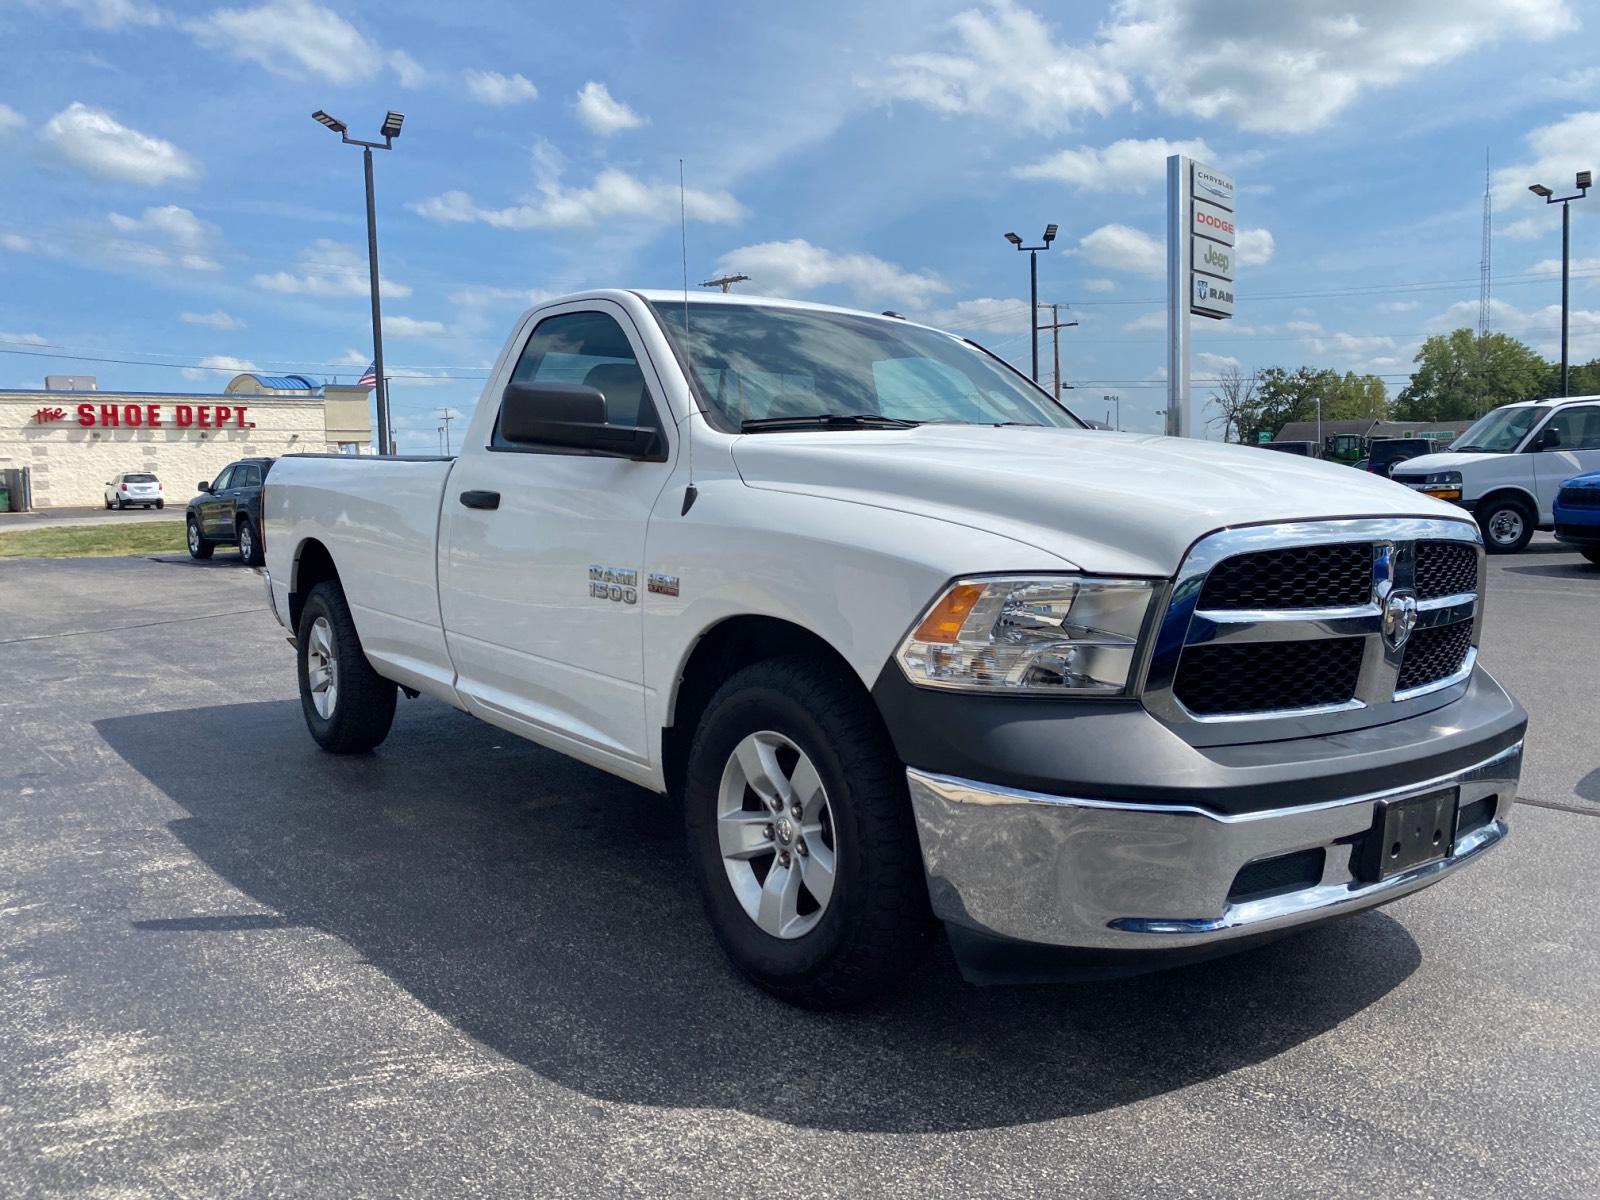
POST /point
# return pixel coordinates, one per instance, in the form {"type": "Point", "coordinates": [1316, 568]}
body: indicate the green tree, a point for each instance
{"type": "Point", "coordinates": [1460, 375]}
{"type": "Point", "coordinates": [1583, 379]}
{"type": "Point", "coordinates": [1283, 396]}
{"type": "Point", "coordinates": [1351, 397]}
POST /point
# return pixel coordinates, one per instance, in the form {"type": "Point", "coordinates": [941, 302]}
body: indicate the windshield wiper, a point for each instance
{"type": "Point", "coordinates": [1476, 450]}
{"type": "Point", "coordinates": [826, 421]}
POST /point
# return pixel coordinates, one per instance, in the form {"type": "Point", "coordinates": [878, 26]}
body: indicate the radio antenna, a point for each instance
{"type": "Point", "coordinates": [690, 492]}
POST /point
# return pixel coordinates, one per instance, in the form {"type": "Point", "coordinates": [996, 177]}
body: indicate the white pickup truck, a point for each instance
{"type": "Point", "coordinates": [912, 644]}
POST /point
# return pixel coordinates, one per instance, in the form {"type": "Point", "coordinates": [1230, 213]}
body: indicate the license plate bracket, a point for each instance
{"type": "Point", "coordinates": [1409, 833]}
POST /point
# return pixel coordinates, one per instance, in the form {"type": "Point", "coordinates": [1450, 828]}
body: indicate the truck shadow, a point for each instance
{"type": "Point", "coordinates": [545, 909]}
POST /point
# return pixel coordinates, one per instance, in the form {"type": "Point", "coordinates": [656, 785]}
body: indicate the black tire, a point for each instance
{"type": "Point", "coordinates": [250, 544]}
{"type": "Point", "coordinates": [120, 504]}
{"type": "Point", "coordinates": [161, 504]}
{"type": "Point", "coordinates": [363, 708]}
{"type": "Point", "coordinates": [1592, 553]}
{"type": "Point", "coordinates": [198, 546]}
{"type": "Point", "coordinates": [1499, 518]}
{"type": "Point", "coordinates": [877, 925]}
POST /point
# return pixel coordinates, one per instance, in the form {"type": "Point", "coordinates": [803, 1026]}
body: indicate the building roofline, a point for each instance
{"type": "Point", "coordinates": [234, 396]}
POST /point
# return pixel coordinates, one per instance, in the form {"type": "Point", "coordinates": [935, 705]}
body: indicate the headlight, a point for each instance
{"type": "Point", "coordinates": [1445, 485]}
{"type": "Point", "coordinates": [1036, 636]}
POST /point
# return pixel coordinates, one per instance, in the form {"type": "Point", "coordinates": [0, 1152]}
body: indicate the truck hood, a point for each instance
{"type": "Point", "coordinates": [1443, 461]}
{"type": "Point", "coordinates": [1104, 502]}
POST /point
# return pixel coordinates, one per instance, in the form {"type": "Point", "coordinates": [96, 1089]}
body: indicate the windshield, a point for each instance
{"type": "Point", "coordinates": [1500, 432]}
{"type": "Point", "coordinates": [766, 363]}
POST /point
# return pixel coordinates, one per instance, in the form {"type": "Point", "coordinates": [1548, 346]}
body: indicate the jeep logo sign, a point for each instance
{"type": "Point", "coordinates": [1211, 258]}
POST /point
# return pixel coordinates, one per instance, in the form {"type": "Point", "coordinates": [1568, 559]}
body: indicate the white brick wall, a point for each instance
{"type": "Point", "coordinates": [71, 463]}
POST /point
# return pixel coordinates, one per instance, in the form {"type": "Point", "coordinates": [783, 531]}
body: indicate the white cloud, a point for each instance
{"type": "Point", "coordinates": [796, 267]}
{"type": "Point", "coordinates": [162, 238]}
{"type": "Point", "coordinates": [1150, 322]}
{"type": "Point", "coordinates": [1254, 247]}
{"type": "Point", "coordinates": [603, 114]}
{"type": "Point", "coordinates": [22, 339]}
{"type": "Point", "coordinates": [614, 194]}
{"type": "Point", "coordinates": [1291, 68]}
{"type": "Point", "coordinates": [1399, 306]}
{"type": "Point", "coordinates": [1552, 266]}
{"type": "Point", "coordinates": [491, 87]}
{"type": "Point", "coordinates": [212, 320]}
{"type": "Point", "coordinates": [484, 296]}
{"type": "Point", "coordinates": [1099, 286]}
{"type": "Point", "coordinates": [986, 316]}
{"type": "Point", "coordinates": [1005, 62]}
{"type": "Point", "coordinates": [92, 140]}
{"type": "Point", "coordinates": [1123, 166]}
{"type": "Point", "coordinates": [329, 268]}
{"type": "Point", "coordinates": [354, 358]}
{"type": "Point", "coordinates": [1122, 248]}
{"type": "Point", "coordinates": [10, 120]}
{"type": "Point", "coordinates": [410, 327]}
{"type": "Point", "coordinates": [212, 364]}
{"type": "Point", "coordinates": [407, 70]}
{"type": "Point", "coordinates": [1216, 362]}
{"type": "Point", "coordinates": [17, 244]}
{"type": "Point", "coordinates": [1524, 229]}
{"type": "Point", "coordinates": [295, 38]}
{"type": "Point", "coordinates": [1576, 85]}
{"type": "Point", "coordinates": [113, 14]}
{"type": "Point", "coordinates": [1559, 151]}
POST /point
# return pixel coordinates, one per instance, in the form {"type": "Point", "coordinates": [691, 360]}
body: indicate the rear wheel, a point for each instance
{"type": "Point", "coordinates": [1592, 553]}
{"type": "Point", "coordinates": [1507, 525]}
{"type": "Point", "coordinates": [120, 504]}
{"type": "Point", "coordinates": [802, 839]}
{"type": "Point", "coordinates": [198, 546]}
{"type": "Point", "coordinates": [348, 706]}
{"type": "Point", "coordinates": [250, 544]}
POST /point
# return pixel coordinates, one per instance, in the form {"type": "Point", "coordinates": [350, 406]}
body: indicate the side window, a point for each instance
{"type": "Point", "coordinates": [587, 348]}
{"type": "Point", "coordinates": [247, 475]}
{"type": "Point", "coordinates": [223, 480]}
{"type": "Point", "coordinates": [1579, 428]}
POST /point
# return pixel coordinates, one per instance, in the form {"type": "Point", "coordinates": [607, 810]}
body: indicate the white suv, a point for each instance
{"type": "Point", "coordinates": [1507, 469]}
{"type": "Point", "coordinates": [134, 487]}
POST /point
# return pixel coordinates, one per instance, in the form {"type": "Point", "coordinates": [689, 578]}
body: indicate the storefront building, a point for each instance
{"type": "Point", "coordinates": [73, 439]}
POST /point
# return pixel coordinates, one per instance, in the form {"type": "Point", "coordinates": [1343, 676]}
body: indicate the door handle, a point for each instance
{"type": "Point", "coordinates": [473, 499]}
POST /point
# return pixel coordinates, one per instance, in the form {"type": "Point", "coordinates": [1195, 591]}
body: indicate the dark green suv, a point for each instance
{"type": "Point", "coordinates": [227, 512]}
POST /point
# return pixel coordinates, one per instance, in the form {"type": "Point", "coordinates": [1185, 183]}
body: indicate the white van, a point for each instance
{"type": "Point", "coordinates": [1507, 468]}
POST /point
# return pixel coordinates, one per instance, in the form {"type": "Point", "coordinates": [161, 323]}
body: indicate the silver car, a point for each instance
{"type": "Point", "coordinates": [134, 487]}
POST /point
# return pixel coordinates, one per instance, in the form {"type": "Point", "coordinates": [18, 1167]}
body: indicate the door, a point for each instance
{"type": "Point", "coordinates": [214, 506]}
{"type": "Point", "coordinates": [243, 491]}
{"type": "Point", "coordinates": [541, 596]}
{"type": "Point", "coordinates": [1572, 449]}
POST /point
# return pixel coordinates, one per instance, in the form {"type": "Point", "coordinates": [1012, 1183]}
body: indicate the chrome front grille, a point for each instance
{"type": "Point", "coordinates": [1335, 624]}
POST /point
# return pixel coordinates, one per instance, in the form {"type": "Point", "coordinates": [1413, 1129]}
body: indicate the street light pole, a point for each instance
{"type": "Point", "coordinates": [1033, 286]}
{"type": "Point", "coordinates": [1117, 400]}
{"type": "Point", "coordinates": [1584, 181]}
{"type": "Point", "coordinates": [390, 130]}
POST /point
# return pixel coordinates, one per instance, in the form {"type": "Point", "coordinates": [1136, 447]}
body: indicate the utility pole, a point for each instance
{"type": "Point", "coordinates": [725, 282]}
{"type": "Point", "coordinates": [1117, 400]}
{"type": "Point", "coordinates": [1055, 327]}
{"type": "Point", "coordinates": [446, 417]}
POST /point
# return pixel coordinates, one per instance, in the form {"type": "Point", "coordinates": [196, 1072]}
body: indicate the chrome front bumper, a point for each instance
{"type": "Point", "coordinates": [1098, 874]}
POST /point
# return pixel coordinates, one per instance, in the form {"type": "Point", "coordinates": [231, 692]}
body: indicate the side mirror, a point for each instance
{"type": "Point", "coordinates": [572, 417]}
{"type": "Point", "coordinates": [1549, 438]}
{"type": "Point", "coordinates": [203, 486]}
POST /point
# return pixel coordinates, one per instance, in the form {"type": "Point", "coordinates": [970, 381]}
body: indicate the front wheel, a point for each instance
{"type": "Point", "coordinates": [348, 706]}
{"type": "Point", "coordinates": [250, 544]}
{"type": "Point", "coordinates": [1507, 526]}
{"type": "Point", "coordinates": [802, 839]}
{"type": "Point", "coordinates": [198, 546]}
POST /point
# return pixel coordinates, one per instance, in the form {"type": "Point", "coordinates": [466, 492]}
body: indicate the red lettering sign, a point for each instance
{"type": "Point", "coordinates": [150, 416]}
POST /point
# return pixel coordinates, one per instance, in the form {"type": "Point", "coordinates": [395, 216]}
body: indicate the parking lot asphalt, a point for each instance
{"type": "Point", "coordinates": [231, 965]}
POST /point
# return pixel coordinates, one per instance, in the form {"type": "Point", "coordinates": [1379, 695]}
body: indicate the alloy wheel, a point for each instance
{"type": "Point", "coordinates": [777, 836]}
{"type": "Point", "coordinates": [322, 668]}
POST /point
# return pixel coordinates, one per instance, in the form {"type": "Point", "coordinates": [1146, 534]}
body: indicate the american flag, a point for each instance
{"type": "Point", "coordinates": [369, 377]}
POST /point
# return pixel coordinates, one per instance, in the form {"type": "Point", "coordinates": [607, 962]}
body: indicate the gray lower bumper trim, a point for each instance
{"type": "Point", "coordinates": [1069, 871]}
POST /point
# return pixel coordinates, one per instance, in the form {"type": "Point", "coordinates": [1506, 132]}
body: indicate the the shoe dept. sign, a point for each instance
{"type": "Point", "coordinates": [1212, 229]}
{"type": "Point", "coordinates": [152, 416]}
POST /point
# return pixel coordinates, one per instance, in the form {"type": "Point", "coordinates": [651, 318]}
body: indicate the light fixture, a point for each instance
{"type": "Point", "coordinates": [391, 124]}
{"type": "Point", "coordinates": [1050, 233]}
{"type": "Point", "coordinates": [1585, 179]}
{"type": "Point", "coordinates": [1539, 189]}
{"type": "Point", "coordinates": [1013, 239]}
{"type": "Point", "coordinates": [333, 123]}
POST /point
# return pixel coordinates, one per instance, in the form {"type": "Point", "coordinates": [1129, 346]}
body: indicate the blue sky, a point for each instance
{"type": "Point", "coordinates": [167, 201]}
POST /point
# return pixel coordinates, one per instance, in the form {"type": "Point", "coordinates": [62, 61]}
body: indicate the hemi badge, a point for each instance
{"type": "Point", "coordinates": [663, 585]}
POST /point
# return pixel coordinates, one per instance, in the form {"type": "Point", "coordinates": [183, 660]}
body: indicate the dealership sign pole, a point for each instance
{"type": "Point", "coordinates": [1201, 230]}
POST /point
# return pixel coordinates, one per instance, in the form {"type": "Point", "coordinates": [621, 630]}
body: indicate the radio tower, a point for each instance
{"type": "Point", "coordinates": [1483, 264]}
